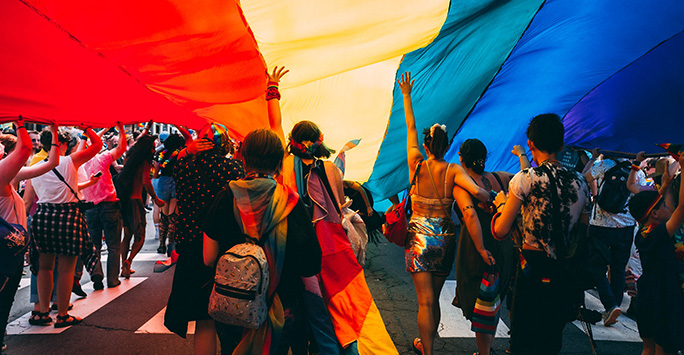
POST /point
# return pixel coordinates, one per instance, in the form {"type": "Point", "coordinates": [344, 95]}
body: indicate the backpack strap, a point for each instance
{"type": "Point", "coordinates": [498, 179]}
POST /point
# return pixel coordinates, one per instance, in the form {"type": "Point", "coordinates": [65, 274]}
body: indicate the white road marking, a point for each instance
{"type": "Point", "coordinates": [454, 324]}
{"type": "Point", "coordinates": [156, 325]}
{"type": "Point", "coordinates": [83, 307]}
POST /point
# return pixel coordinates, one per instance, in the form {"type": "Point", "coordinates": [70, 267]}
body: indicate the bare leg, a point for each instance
{"type": "Point", "coordinates": [138, 241]}
{"type": "Point", "coordinates": [437, 284]}
{"type": "Point", "coordinates": [64, 283]}
{"type": "Point", "coordinates": [427, 327]}
{"type": "Point", "coordinates": [484, 342]}
{"type": "Point", "coordinates": [46, 264]}
{"type": "Point", "coordinates": [205, 337]}
{"type": "Point", "coordinates": [126, 243]}
{"type": "Point", "coordinates": [649, 346]}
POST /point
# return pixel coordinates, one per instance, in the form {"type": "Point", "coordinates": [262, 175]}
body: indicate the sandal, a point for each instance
{"type": "Point", "coordinates": [54, 307]}
{"type": "Point", "coordinates": [417, 346]}
{"type": "Point", "coordinates": [67, 320]}
{"type": "Point", "coordinates": [38, 318]}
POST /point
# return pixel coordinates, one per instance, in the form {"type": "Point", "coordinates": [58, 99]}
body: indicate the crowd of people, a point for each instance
{"type": "Point", "coordinates": [516, 238]}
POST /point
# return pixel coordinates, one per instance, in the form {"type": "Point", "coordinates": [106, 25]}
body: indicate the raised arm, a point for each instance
{"type": "Point", "coordinates": [10, 165]}
{"type": "Point", "coordinates": [122, 146]}
{"type": "Point", "coordinates": [632, 183]}
{"type": "Point", "coordinates": [677, 217]}
{"type": "Point", "coordinates": [412, 150]}
{"type": "Point", "coordinates": [146, 130]}
{"type": "Point", "coordinates": [472, 223]}
{"type": "Point", "coordinates": [519, 151]}
{"type": "Point", "coordinates": [587, 168]}
{"type": "Point", "coordinates": [80, 157]}
{"type": "Point", "coordinates": [186, 134]}
{"type": "Point", "coordinates": [273, 99]}
{"type": "Point", "coordinates": [29, 172]}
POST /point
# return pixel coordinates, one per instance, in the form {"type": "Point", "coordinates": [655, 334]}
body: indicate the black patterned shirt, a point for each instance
{"type": "Point", "coordinates": [531, 185]}
{"type": "Point", "coordinates": [198, 180]}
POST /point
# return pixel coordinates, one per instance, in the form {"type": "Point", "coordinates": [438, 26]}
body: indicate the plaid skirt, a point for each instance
{"type": "Point", "coordinates": [60, 228]}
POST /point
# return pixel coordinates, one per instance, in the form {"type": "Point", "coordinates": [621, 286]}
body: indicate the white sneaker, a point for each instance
{"type": "Point", "coordinates": [612, 316]}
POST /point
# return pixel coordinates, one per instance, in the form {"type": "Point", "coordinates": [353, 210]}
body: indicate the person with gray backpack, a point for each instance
{"type": "Point", "coordinates": [262, 236]}
{"type": "Point", "coordinates": [612, 225]}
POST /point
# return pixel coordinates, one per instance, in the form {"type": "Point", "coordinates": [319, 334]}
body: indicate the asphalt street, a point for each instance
{"type": "Point", "coordinates": [128, 319]}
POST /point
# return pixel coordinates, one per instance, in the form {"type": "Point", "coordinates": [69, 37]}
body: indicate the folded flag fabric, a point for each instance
{"type": "Point", "coordinates": [673, 149]}
{"type": "Point", "coordinates": [340, 159]}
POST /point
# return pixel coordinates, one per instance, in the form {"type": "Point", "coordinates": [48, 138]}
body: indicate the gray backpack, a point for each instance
{"type": "Point", "coordinates": [241, 287]}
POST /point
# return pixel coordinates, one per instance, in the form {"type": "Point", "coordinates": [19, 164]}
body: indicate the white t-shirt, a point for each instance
{"type": "Point", "coordinates": [50, 189]}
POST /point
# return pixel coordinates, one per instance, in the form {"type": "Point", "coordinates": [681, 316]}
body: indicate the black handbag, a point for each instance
{"type": "Point", "coordinates": [82, 205]}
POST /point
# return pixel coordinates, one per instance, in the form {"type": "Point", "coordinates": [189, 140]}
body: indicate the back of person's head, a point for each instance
{"type": "Point", "coordinates": [46, 137]}
{"type": "Point", "coordinates": [217, 134]}
{"type": "Point", "coordinates": [641, 204]}
{"type": "Point", "coordinates": [262, 151]}
{"type": "Point", "coordinates": [9, 142]}
{"type": "Point", "coordinates": [436, 140]}
{"type": "Point", "coordinates": [306, 141]}
{"type": "Point", "coordinates": [546, 131]}
{"type": "Point", "coordinates": [474, 155]}
{"type": "Point", "coordinates": [174, 142]}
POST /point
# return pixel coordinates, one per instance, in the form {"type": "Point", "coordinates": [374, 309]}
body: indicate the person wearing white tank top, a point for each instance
{"type": "Point", "coordinates": [59, 228]}
{"type": "Point", "coordinates": [14, 152]}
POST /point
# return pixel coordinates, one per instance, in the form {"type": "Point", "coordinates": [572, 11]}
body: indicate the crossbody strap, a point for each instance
{"type": "Point", "coordinates": [437, 191]}
{"type": "Point", "coordinates": [59, 176]}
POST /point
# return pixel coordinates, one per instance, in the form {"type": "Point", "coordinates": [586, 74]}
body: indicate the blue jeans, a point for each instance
{"type": "Point", "coordinates": [619, 242]}
{"type": "Point", "coordinates": [105, 218]}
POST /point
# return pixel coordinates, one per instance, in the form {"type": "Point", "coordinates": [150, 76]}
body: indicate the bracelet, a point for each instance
{"type": "Point", "coordinates": [20, 127]}
{"type": "Point", "coordinates": [496, 215]}
{"type": "Point", "coordinates": [522, 155]}
{"type": "Point", "coordinates": [502, 203]}
{"type": "Point", "coordinates": [272, 93]}
{"type": "Point", "coordinates": [635, 167]}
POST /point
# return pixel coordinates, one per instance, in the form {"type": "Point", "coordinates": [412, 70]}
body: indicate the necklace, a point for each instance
{"type": "Point", "coordinates": [550, 161]}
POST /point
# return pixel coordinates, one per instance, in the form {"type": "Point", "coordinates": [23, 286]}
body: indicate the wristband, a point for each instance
{"type": "Point", "coordinates": [635, 167]}
{"type": "Point", "coordinates": [496, 215]}
{"type": "Point", "coordinates": [497, 207]}
{"type": "Point", "coordinates": [272, 93]}
{"type": "Point", "coordinates": [522, 155]}
{"type": "Point", "coordinates": [20, 127]}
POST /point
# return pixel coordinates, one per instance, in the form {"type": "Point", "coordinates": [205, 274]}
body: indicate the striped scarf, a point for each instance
{"type": "Point", "coordinates": [262, 206]}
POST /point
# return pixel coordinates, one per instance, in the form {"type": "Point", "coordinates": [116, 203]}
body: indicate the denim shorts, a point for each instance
{"type": "Point", "coordinates": [165, 188]}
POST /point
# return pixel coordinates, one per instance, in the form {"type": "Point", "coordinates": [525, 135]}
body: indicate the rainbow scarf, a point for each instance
{"type": "Point", "coordinates": [262, 206]}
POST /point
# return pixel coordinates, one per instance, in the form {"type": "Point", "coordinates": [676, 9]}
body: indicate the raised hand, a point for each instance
{"type": "Point", "coordinates": [277, 74]}
{"type": "Point", "coordinates": [405, 83]}
{"type": "Point", "coordinates": [641, 156]}
{"type": "Point", "coordinates": [518, 150]}
{"type": "Point", "coordinates": [19, 122]}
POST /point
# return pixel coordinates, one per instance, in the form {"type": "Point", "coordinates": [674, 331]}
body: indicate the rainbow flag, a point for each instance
{"type": "Point", "coordinates": [340, 159]}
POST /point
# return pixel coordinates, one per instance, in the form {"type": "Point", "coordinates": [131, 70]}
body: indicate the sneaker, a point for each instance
{"type": "Point", "coordinates": [612, 316]}
{"type": "Point", "coordinates": [161, 249]}
{"type": "Point", "coordinates": [77, 290]}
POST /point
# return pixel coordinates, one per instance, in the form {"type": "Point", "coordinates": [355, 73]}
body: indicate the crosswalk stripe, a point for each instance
{"type": "Point", "coordinates": [156, 325]}
{"type": "Point", "coordinates": [453, 324]}
{"type": "Point", "coordinates": [141, 257]}
{"type": "Point", "coordinates": [625, 330]}
{"type": "Point", "coordinates": [83, 307]}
